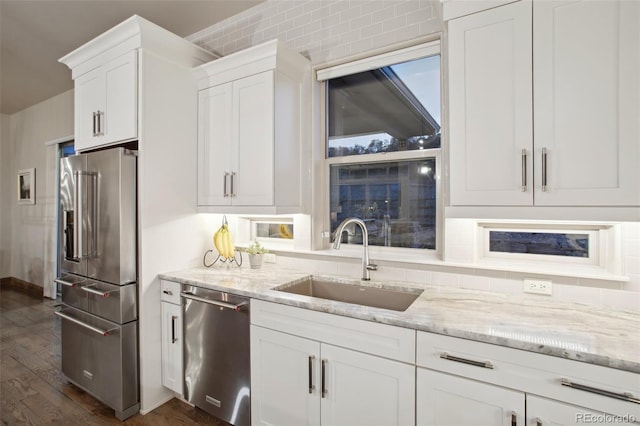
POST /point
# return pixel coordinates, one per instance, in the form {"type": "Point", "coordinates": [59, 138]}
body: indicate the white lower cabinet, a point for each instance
{"type": "Point", "coordinates": [171, 312]}
{"type": "Point", "coordinates": [447, 400]}
{"type": "Point", "coordinates": [462, 382]}
{"type": "Point", "coordinates": [299, 380]}
{"type": "Point", "coordinates": [547, 412]}
{"type": "Point", "coordinates": [284, 375]}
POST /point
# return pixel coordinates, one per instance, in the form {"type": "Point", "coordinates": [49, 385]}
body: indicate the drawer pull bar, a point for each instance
{"type": "Point", "coordinates": [87, 326]}
{"type": "Point", "coordinates": [538, 421]}
{"type": "Point", "coordinates": [483, 364]}
{"type": "Point", "coordinates": [168, 292]}
{"type": "Point", "coordinates": [65, 283]}
{"type": "Point", "coordinates": [628, 397]}
{"type": "Point", "coordinates": [188, 295]}
{"type": "Point", "coordinates": [311, 359]}
{"type": "Point", "coordinates": [104, 294]}
{"type": "Point", "coordinates": [514, 419]}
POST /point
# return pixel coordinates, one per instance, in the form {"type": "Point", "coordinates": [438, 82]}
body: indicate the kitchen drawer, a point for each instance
{"type": "Point", "coordinates": [100, 357]}
{"type": "Point", "coordinates": [377, 339]}
{"type": "Point", "coordinates": [117, 303]}
{"type": "Point", "coordinates": [170, 292]}
{"type": "Point", "coordinates": [531, 372]}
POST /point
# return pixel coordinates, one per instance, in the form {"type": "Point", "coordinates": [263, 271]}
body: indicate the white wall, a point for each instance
{"type": "Point", "coordinates": [6, 194]}
{"type": "Point", "coordinates": [29, 130]}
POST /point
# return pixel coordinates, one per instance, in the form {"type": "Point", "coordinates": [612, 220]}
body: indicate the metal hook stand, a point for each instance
{"type": "Point", "coordinates": [237, 259]}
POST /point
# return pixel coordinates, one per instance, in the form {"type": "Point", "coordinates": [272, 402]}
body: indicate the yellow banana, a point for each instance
{"type": "Point", "coordinates": [217, 240]}
{"type": "Point", "coordinates": [229, 243]}
{"type": "Point", "coordinates": [284, 232]}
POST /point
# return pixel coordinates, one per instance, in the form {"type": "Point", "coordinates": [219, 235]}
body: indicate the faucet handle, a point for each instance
{"type": "Point", "coordinates": [372, 267]}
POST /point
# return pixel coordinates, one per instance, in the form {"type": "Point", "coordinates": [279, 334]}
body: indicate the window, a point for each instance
{"type": "Point", "coordinates": [546, 243]}
{"type": "Point", "coordinates": [383, 129]}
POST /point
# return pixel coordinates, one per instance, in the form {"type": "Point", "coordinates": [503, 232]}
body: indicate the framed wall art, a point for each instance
{"type": "Point", "coordinates": [27, 186]}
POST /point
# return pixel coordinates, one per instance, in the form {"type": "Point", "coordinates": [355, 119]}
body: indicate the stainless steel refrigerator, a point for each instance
{"type": "Point", "coordinates": [98, 254]}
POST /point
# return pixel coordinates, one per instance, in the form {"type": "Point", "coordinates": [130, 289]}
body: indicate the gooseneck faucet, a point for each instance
{"type": "Point", "coordinates": [366, 266]}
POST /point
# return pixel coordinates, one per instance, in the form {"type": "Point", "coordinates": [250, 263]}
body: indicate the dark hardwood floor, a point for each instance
{"type": "Point", "coordinates": [33, 390]}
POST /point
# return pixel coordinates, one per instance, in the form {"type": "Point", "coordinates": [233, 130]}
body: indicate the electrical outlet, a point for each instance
{"type": "Point", "coordinates": [269, 258]}
{"type": "Point", "coordinates": [537, 286]}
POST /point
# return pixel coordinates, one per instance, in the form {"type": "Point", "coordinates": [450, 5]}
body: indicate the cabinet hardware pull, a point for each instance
{"type": "Point", "coordinates": [191, 296]}
{"type": "Point", "coordinates": [514, 419]}
{"type": "Point", "coordinates": [324, 379]}
{"type": "Point", "coordinates": [233, 179]}
{"type": "Point", "coordinates": [524, 170]}
{"type": "Point", "coordinates": [311, 387]}
{"type": "Point", "coordinates": [544, 169]}
{"type": "Point", "coordinates": [483, 364]}
{"type": "Point", "coordinates": [224, 184]}
{"type": "Point", "coordinates": [100, 116]}
{"type": "Point", "coordinates": [538, 421]}
{"type": "Point", "coordinates": [168, 292]}
{"type": "Point", "coordinates": [173, 329]}
{"type": "Point", "coordinates": [100, 331]}
{"type": "Point", "coordinates": [95, 133]}
{"type": "Point", "coordinates": [628, 397]}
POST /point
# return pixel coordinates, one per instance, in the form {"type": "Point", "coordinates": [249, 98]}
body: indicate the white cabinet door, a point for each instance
{"type": "Point", "coordinates": [236, 143]}
{"type": "Point", "coordinates": [490, 95]}
{"type": "Point", "coordinates": [284, 379]}
{"type": "Point", "coordinates": [120, 118]}
{"type": "Point", "coordinates": [252, 133]}
{"type": "Point", "coordinates": [214, 145]}
{"type": "Point", "coordinates": [587, 102]}
{"type": "Point", "coordinates": [547, 412]}
{"type": "Point", "coordinates": [89, 99]}
{"type": "Point", "coordinates": [106, 103]}
{"type": "Point", "coordinates": [367, 390]}
{"type": "Point", "coordinates": [446, 400]}
{"type": "Point", "coordinates": [172, 375]}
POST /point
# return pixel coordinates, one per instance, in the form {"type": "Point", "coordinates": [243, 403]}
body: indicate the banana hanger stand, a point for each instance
{"type": "Point", "coordinates": [223, 241]}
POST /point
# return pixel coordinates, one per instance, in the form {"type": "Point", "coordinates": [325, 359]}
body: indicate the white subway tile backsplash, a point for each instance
{"type": "Point", "coordinates": [419, 276]}
{"type": "Point", "coordinates": [621, 299]}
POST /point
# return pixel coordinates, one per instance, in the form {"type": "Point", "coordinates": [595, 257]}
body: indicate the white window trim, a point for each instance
{"type": "Point", "coordinates": [429, 48]}
{"type": "Point", "coordinates": [604, 247]}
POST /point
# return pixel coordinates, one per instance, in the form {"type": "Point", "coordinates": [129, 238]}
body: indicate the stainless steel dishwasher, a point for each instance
{"type": "Point", "coordinates": [216, 353]}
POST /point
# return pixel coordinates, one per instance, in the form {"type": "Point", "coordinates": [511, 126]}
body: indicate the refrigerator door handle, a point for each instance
{"type": "Point", "coordinates": [77, 219]}
{"type": "Point", "coordinates": [92, 220]}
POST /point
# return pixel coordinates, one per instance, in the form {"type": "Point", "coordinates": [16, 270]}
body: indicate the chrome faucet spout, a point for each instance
{"type": "Point", "coordinates": [366, 265]}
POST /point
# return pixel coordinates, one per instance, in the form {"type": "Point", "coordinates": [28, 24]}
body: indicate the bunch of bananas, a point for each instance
{"type": "Point", "coordinates": [283, 230]}
{"type": "Point", "coordinates": [223, 241]}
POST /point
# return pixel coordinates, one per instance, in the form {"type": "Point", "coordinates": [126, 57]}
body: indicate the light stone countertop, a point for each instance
{"type": "Point", "coordinates": [593, 334]}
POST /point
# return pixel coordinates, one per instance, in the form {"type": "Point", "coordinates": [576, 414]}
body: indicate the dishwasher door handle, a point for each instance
{"type": "Point", "coordinates": [188, 295]}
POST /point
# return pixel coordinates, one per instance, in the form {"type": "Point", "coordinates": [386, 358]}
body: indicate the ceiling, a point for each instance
{"type": "Point", "coordinates": [34, 34]}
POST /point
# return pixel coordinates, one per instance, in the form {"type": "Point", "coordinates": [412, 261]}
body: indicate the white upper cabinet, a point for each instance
{"type": "Point", "coordinates": [107, 73]}
{"type": "Point", "coordinates": [106, 101]}
{"type": "Point", "coordinates": [544, 105]}
{"type": "Point", "coordinates": [587, 102]}
{"type": "Point", "coordinates": [253, 137]}
{"type": "Point", "coordinates": [490, 129]}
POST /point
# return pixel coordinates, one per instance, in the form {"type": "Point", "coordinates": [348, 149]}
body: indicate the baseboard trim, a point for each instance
{"type": "Point", "coordinates": [26, 287]}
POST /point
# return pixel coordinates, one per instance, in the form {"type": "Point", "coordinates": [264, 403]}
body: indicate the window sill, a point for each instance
{"type": "Point", "coordinates": [410, 260]}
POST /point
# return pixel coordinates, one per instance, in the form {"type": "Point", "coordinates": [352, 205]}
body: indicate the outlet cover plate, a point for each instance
{"type": "Point", "coordinates": [537, 286]}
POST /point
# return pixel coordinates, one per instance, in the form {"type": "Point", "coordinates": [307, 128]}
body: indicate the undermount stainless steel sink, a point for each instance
{"type": "Point", "coordinates": [377, 297]}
